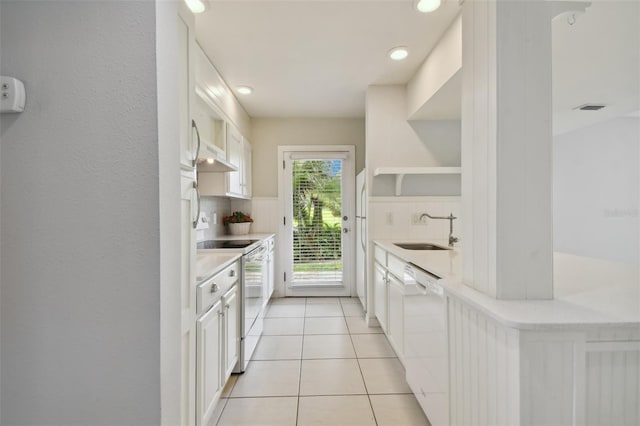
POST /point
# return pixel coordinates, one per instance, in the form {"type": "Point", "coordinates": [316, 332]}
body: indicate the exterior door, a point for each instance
{"type": "Point", "coordinates": [318, 236]}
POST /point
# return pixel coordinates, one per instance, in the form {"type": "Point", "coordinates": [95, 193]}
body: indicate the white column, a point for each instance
{"type": "Point", "coordinates": [506, 148]}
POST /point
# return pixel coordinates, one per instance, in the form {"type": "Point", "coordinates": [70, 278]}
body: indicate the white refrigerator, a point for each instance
{"type": "Point", "coordinates": [361, 238]}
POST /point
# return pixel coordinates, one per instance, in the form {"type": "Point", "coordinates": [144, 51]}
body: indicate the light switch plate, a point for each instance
{"type": "Point", "coordinates": [12, 94]}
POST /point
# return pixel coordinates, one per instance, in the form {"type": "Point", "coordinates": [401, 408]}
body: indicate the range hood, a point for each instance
{"type": "Point", "coordinates": [212, 160]}
{"type": "Point", "coordinates": [218, 165]}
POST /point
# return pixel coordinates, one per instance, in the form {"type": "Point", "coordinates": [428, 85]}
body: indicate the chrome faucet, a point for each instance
{"type": "Point", "coordinates": [450, 218]}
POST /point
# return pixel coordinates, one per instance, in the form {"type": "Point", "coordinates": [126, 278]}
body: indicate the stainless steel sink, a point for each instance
{"type": "Point", "coordinates": [420, 246]}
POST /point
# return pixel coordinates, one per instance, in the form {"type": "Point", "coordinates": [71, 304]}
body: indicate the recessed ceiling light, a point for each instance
{"type": "Point", "coordinates": [399, 53]}
{"type": "Point", "coordinates": [426, 6]}
{"type": "Point", "coordinates": [245, 90]}
{"type": "Point", "coordinates": [196, 6]}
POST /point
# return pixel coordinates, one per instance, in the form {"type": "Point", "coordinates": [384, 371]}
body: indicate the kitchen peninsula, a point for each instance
{"type": "Point", "coordinates": [516, 351]}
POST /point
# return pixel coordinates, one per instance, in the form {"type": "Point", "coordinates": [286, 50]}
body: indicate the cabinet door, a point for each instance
{"type": "Point", "coordinates": [186, 81]}
{"type": "Point", "coordinates": [209, 329]}
{"type": "Point", "coordinates": [380, 294]}
{"type": "Point", "coordinates": [188, 208]}
{"type": "Point", "coordinates": [234, 156]}
{"type": "Point", "coordinates": [246, 169]}
{"type": "Point", "coordinates": [271, 275]}
{"type": "Point", "coordinates": [232, 332]}
{"type": "Point", "coordinates": [396, 312]}
{"type": "Point", "coordinates": [211, 127]}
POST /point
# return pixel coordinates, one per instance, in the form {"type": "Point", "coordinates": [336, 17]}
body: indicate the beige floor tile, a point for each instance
{"type": "Point", "coordinates": [260, 412]}
{"type": "Point", "coordinates": [283, 326]}
{"type": "Point", "coordinates": [384, 375]}
{"type": "Point", "coordinates": [285, 311]}
{"type": "Point", "coordinates": [289, 301]}
{"type": "Point", "coordinates": [358, 325]}
{"type": "Point", "coordinates": [352, 310]}
{"type": "Point", "coordinates": [278, 347]}
{"type": "Point", "coordinates": [398, 410]}
{"type": "Point", "coordinates": [335, 410]}
{"type": "Point", "coordinates": [329, 346]}
{"type": "Point", "coordinates": [331, 377]}
{"type": "Point", "coordinates": [268, 378]}
{"type": "Point", "coordinates": [323, 300]}
{"type": "Point", "coordinates": [372, 346]}
{"type": "Point", "coordinates": [324, 310]}
{"type": "Point", "coordinates": [325, 325]}
{"type": "Point", "coordinates": [345, 300]}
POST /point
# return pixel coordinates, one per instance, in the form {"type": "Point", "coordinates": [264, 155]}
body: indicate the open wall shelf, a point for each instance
{"type": "Point", "coordinates": [401, 172]}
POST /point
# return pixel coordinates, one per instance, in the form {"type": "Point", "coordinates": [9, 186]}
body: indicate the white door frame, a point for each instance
{"type": "Point", "coordinates": [348, 208]}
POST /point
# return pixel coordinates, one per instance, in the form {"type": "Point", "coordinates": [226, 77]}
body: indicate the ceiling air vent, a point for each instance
{"type": "Point", "coordinates": [590, 107]}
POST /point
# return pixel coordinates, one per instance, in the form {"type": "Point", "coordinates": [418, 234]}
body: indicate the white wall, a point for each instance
{"type": "Point", "coordinates": [596, 172]}
{"type": "Point", "coordinates": [170, 211]}
{"type": "Point", "coordinates": [427, 92]}
{"type": "Point", "coordinates": [80, 215]}
{"type": "Point", "coordinates": [269, 133]}
{"type": "Point", "coordinates": [393, 141]}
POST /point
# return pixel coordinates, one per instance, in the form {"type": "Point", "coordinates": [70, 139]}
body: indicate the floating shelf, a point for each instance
{"type": "Point", "coordinates": [401, 172]}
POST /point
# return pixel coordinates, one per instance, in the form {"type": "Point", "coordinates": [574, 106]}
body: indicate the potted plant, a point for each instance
{"type": "Point", "coordinates": [238, 223]}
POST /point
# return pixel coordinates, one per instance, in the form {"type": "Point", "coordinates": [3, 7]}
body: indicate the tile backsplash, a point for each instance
{"type": "Point", "coordinates": [210, 206]}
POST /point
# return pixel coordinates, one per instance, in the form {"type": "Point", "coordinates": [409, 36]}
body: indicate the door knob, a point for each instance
{"type": "Point", "coordinates": [345, 230]}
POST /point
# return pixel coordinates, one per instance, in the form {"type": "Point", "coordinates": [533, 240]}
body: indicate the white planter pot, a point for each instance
{"type": "Point", "coordinates": [239, 228]}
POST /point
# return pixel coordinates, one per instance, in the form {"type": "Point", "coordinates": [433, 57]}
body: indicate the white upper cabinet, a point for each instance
{"type": "Point", "coordinates": [234, 142]}
{"type": "Point", "coordinates": [186, 74]}
{"type": "Point", "coordinates": [211, 127]}
{"type": "Point", "coordinates": [247, 159]}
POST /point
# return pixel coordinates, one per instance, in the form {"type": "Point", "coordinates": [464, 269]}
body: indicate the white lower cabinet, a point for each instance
{"type": "Point", "coordinates": [231, 331]}
{"type": "Point", "coordinates": [271, 261]}
{"type": "Point", "coordinates": [218, 343]}
{"type": "Point", "coordinates": [380, 294]}
{"type": "Point", "coordinates": [395, 328]}
{"type": "Point", "coordinates": [209, 360]}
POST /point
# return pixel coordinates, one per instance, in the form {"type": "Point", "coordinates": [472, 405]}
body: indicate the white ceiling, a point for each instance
{"type": "Point", "coordinates": [315, 58]}
{"type": "Point", "coordinates": [596, 60]}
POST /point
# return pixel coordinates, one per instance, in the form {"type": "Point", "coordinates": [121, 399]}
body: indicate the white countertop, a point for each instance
{"type": "Point", "coordinates": [588, 292]}
{"type": "Point", "coordinates": [210, 261]}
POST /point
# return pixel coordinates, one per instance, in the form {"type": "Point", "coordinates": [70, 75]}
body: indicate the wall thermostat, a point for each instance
{"type": "Point", "coordinates": [12, 94]}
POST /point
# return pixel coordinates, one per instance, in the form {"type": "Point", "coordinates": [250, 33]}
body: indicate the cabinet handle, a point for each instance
{"type": "Point", "coordinates": [227, 306]}
{"type": "Point", "coordinates": [232, 273]}
{"type": "Point", "coordinates": [195, 157]}
{"type": "Point", "coordinates": [214, 288]}
{"type": "Point", "coordinates": [220, 314]}
{"type": "Point", "coordinates": [195, 221]}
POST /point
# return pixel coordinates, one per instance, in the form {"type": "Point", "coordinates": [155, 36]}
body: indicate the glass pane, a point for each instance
{"type": "Point", "coordinates": [317, 221]}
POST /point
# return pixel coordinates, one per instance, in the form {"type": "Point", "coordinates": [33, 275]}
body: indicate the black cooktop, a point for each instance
{"type": "Point", "coordinates": [225, 244]}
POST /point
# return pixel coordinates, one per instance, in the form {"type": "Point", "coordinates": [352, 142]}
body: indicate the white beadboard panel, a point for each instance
{"type": "Point", "coordinates": [551, 370]}
{"type": "Point", "coordinates": [506, 148]}
{"type": "Point", "coordinates": [613, 334]}
{"type": "Point", "coordinates": [484, 368]}
{"type": "Point", "coordinates": [613, 383]}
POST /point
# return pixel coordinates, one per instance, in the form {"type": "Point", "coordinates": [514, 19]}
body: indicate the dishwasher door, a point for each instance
{"type": "Point", "coordinates": [427, 370]}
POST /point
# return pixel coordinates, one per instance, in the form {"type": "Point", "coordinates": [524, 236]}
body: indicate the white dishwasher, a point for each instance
{"type": "Point", "coordinates": [425, 343]}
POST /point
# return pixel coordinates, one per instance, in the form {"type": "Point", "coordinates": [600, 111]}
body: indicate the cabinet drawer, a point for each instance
{"type": "Point", "coordinates": [396, 265]}
{"type": "Point", "coordinates": [212, 289]}
{"type": "Point", "coordinates": [380, 255]}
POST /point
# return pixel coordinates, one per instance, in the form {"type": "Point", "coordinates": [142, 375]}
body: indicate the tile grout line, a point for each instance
{"type": "Point", "coordinates": [304, 323]}
{"type": "Point", "coordinates": [365, 383]}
